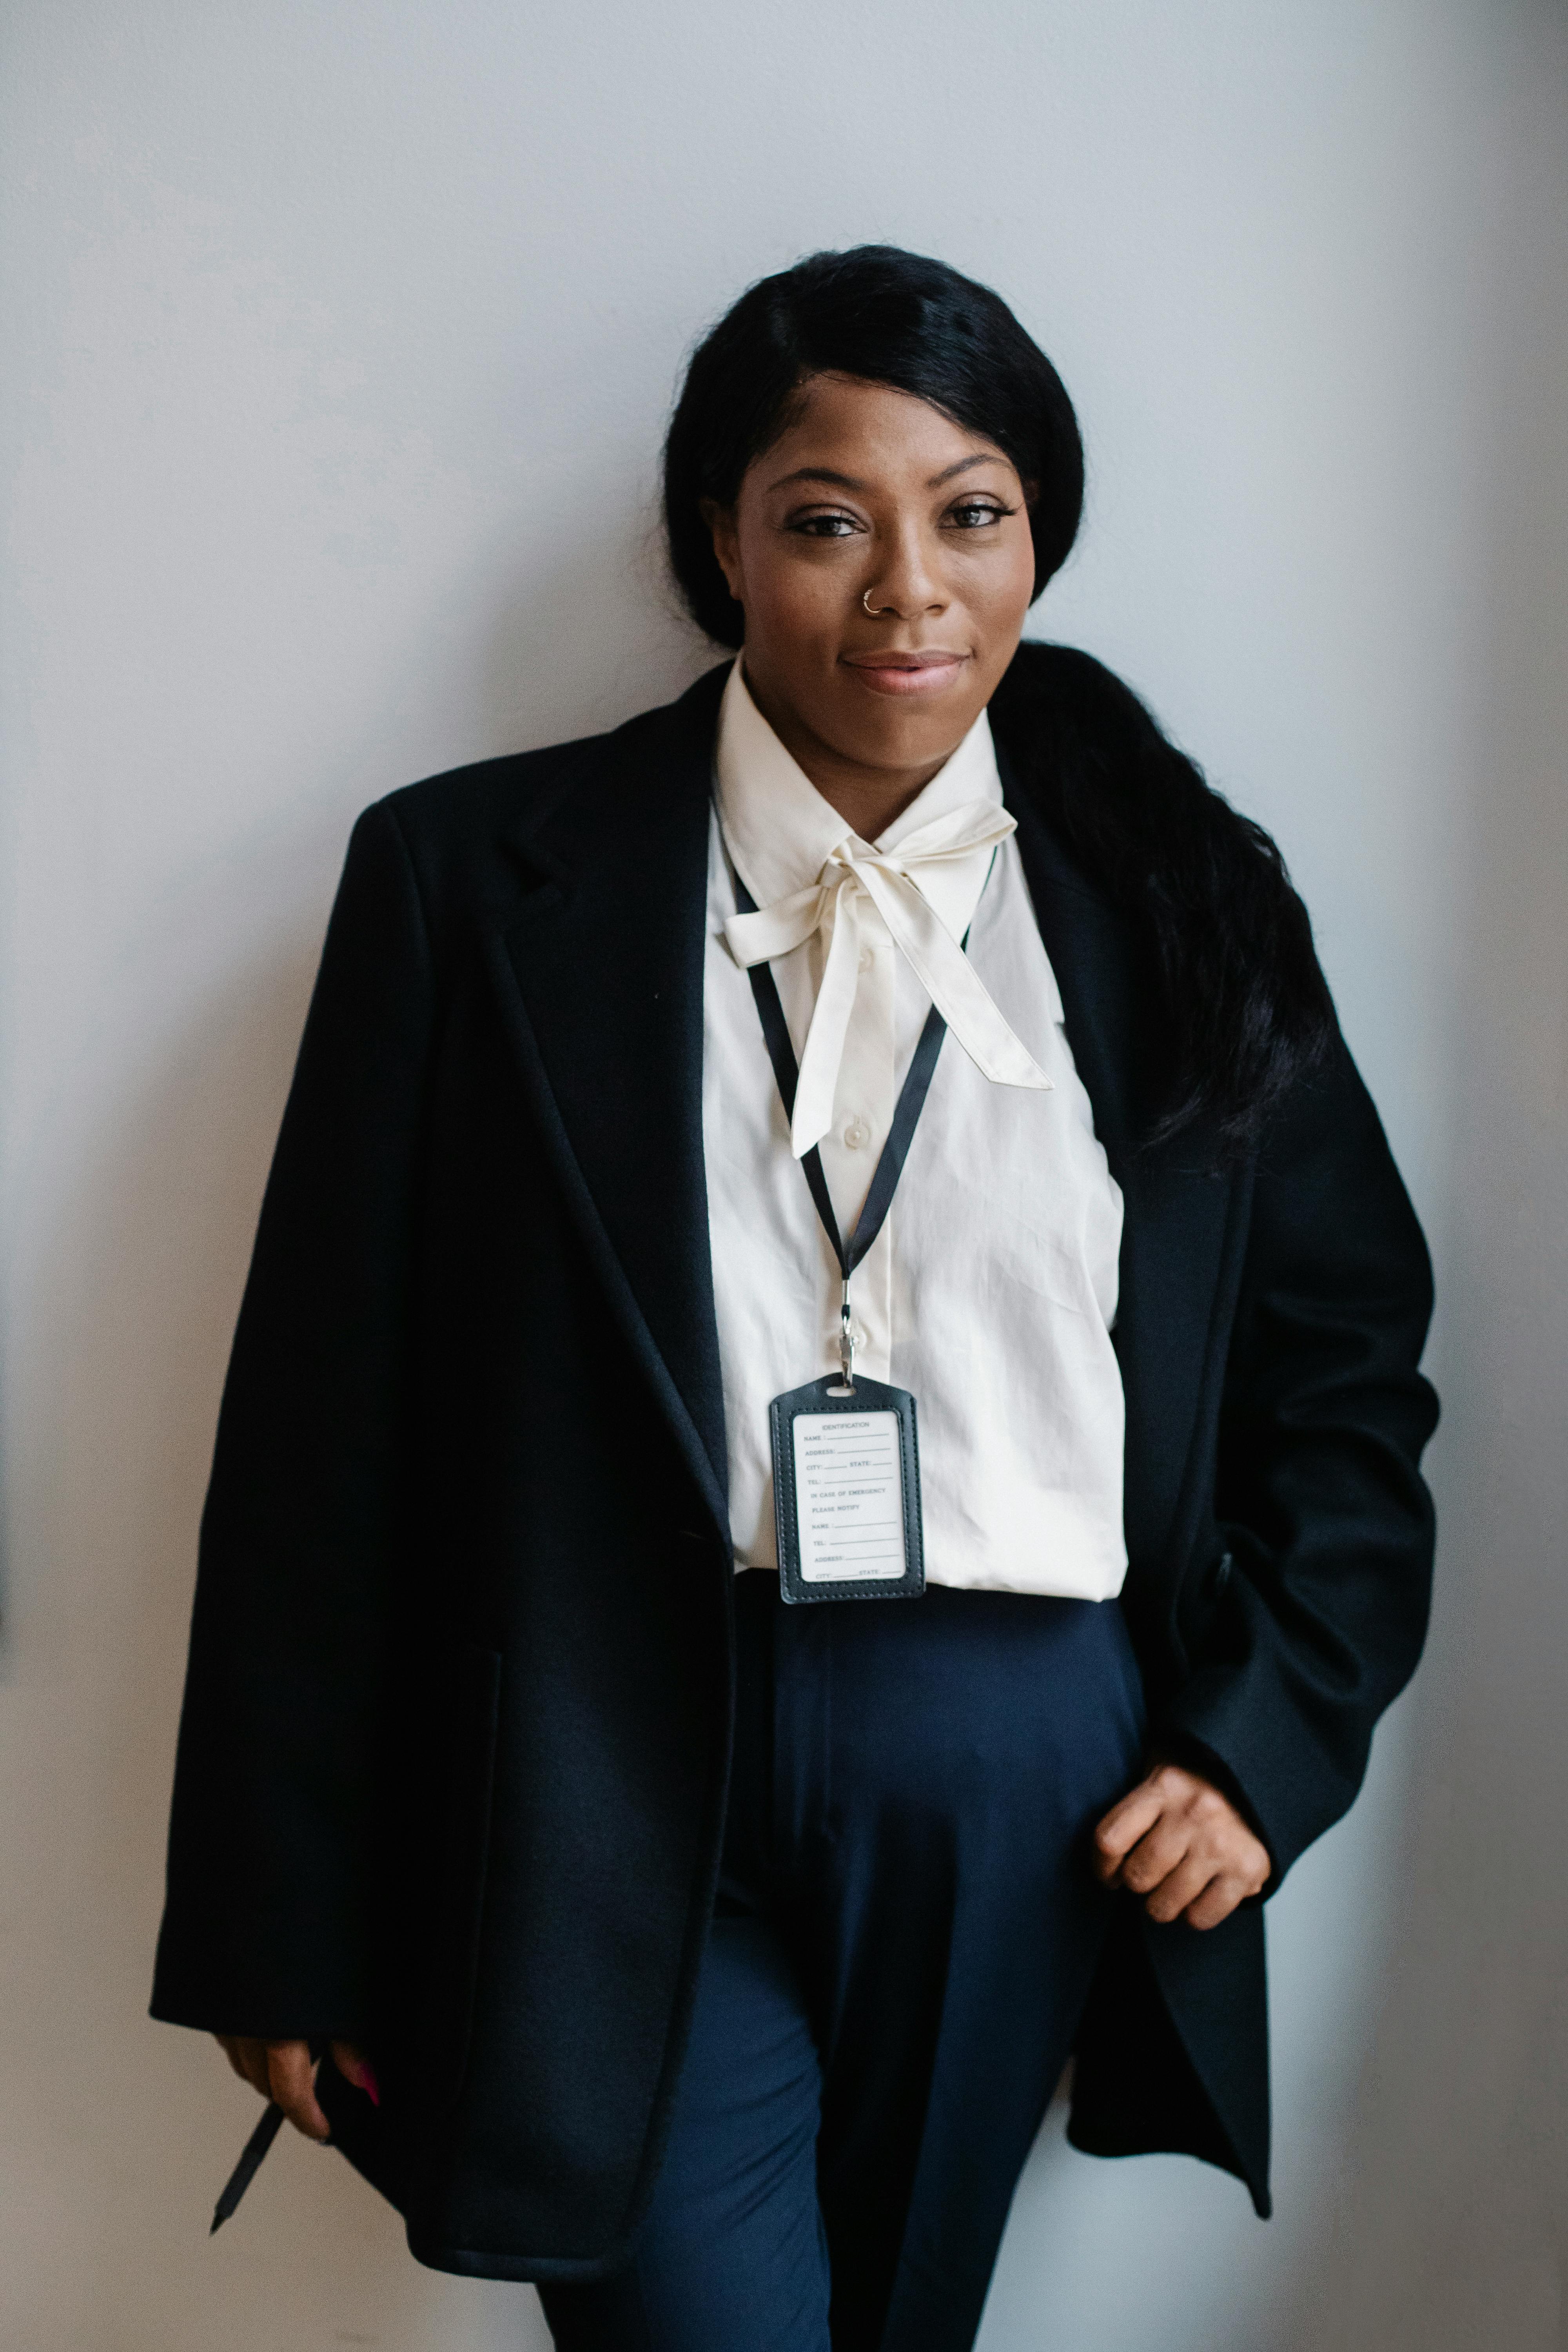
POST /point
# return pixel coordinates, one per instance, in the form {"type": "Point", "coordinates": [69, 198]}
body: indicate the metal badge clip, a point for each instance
{"type": "Point", "coordinates": [847, 1339]}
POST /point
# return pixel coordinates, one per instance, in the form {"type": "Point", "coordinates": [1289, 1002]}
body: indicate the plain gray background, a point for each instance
{"type": "Point", "coordinates": [340, 340]}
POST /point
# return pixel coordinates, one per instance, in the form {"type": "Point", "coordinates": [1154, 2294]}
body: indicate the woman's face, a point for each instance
{"type": "Point", "coordinates": [874, 496]}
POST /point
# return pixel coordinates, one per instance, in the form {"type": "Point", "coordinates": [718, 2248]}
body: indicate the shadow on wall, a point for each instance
{"type": "Point", "coordinates": [1451, 2223]}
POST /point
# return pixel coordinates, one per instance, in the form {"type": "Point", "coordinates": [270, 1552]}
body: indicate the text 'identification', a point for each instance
{"type": "Point", "coordinates": [849, 1495]}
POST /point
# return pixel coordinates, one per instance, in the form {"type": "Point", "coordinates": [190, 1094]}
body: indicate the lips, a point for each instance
{"type": "Point", "coordinates": [927, 671]}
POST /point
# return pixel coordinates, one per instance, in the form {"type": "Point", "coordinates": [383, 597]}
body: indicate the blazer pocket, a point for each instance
{"type": "Point", "coordinates": [462, 1864]}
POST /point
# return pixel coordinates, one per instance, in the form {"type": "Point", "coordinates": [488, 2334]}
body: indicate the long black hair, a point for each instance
{"type": "Point", "coordinates": [1247, 1008]}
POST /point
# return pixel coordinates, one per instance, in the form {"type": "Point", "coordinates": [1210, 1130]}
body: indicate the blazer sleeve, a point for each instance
{"type": "Point", "coordinates": [1329, 1527]}
{"type": "Point", "coordinates": [269, 1868]}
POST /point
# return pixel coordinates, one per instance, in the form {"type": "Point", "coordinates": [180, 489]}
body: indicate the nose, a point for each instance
{"type": "Point", "coordinates": [906, 583]}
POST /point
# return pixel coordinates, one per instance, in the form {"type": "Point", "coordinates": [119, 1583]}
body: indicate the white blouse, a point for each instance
{"type": "Point", "coordinates": [991, 1290]}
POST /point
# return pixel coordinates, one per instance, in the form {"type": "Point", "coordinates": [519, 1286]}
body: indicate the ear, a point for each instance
{"type": "Point", "coordinates": [721, 521]}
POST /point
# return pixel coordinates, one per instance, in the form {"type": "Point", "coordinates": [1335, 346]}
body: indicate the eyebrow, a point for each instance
{"type": "Point", "coordinates": [849, 482]}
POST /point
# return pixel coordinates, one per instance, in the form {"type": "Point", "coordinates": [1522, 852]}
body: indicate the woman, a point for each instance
{"type": "Point", "coordinates": [643, 1268]}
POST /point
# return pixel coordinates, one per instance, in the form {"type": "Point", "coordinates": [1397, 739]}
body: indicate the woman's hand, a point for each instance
{"type": "Point", "coordinates": [1184, 1847]}
{"type": "Point", "coordinates": [283, 2071]}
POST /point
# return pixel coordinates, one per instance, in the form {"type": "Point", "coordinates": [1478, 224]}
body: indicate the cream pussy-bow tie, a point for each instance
{"type": "Point", "coordinates": [831, 906]}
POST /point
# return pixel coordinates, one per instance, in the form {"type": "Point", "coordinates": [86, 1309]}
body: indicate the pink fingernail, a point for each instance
{"type": "Point", "coordinates": [372, 2088]}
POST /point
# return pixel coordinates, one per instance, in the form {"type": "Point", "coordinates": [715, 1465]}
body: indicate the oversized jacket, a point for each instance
{"type": "Point", "coordinates": [453, 1757]}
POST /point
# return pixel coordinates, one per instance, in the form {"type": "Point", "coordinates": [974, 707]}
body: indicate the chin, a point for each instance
{"type": "Point", "coordinates": [894, 736]}
{"type": "Point", "coordinates": [927, 750]}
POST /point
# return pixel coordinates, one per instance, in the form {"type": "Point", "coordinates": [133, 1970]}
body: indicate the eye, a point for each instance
{"type": "Point", "coordinates": [974, 514]}
{"type": "Point", "coordinates": [822, 525]}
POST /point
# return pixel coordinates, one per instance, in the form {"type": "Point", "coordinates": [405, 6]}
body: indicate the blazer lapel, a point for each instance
{"type": "Point", "coordinates": [599, 967]}
{"type": "Point", "coordinates": [1175, 1207]}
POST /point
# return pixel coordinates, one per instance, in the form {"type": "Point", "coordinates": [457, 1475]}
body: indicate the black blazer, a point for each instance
{"type": "Point", "coordinates": [453, 1757]}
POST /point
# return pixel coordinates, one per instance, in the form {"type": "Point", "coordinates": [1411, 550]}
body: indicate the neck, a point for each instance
{"type": "Point", "coordinates": [870, 798]}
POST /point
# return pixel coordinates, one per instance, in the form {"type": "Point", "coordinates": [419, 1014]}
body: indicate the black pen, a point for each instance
{"type": "Point", "coordinates": [249, 2164]}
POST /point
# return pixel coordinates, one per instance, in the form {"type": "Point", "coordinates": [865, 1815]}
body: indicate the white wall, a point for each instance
{"type": "Point", "coordinates": [341, 337]}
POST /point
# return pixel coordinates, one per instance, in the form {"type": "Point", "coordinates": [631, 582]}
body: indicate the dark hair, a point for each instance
{"type": "Point", "coordinates": [1247, 1008]}
{"type": "Point", "coordinates": [1246, 1011]}
{"type": "Point", "coordinates": [889, 316]}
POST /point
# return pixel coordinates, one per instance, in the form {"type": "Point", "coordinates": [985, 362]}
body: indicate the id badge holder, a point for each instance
{"type": "Point", "coordinates": [847, 1492]}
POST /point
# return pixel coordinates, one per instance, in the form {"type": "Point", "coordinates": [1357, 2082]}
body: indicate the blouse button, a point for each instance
{"type": "Point", "coordinates": [856, 1135]}
{"type": "Point", "coordinates": [866, 958]}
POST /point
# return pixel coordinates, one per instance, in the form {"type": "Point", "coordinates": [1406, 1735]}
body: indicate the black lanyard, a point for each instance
{"type": "Point", "coordinates": [900, 1135]}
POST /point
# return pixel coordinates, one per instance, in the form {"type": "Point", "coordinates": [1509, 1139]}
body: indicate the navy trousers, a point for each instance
{"type": "Point", "coordinates": [901, 1948]}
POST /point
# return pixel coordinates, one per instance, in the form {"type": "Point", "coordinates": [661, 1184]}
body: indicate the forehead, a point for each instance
{"type": "Point", "coordinates": [870, 432]}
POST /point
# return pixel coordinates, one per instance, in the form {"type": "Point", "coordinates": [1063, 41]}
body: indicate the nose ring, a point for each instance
{"type": "Point", "coordinates": [865, 599]}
